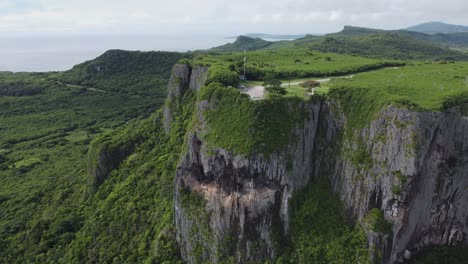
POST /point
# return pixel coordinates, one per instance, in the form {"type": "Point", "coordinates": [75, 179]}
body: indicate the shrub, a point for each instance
{"type": "Point", "coordinates": [223, 76]}
{"type": "Point", "coordinates": [377, 223]}
{"type": "Point", "coordinates": [276, 90]}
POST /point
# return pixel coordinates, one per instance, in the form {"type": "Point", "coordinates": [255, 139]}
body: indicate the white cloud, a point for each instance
{"type": "Point", "coordinates": [5, 4]}
{"type": "Point", "coordinates": [220, 16]}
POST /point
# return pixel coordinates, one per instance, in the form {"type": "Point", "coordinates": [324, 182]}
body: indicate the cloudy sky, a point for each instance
{"type": "Point", "coordinates": [220, 17]}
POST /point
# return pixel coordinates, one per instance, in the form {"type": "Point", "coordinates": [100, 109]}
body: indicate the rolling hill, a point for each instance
{"type": "Point", "coordinates": [244, 43]}
{"type": "Point", "coordinates": [372, 43]}
{"type": "Point", "coordinates": [436, 27]}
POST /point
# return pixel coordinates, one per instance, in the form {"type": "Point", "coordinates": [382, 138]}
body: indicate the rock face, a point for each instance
{"type": "Point", "coordinates": [183, 77]}
{"type": "Point", "coordinates": [245, 196]}
{"type": "Point", "coordinates": [411, 165]}
{"type": "Point", "coordinates": [417, 173]}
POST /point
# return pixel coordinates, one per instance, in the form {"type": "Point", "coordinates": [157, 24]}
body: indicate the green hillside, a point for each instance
{"type": "Point", "coordinates": [132, 72]}
{"type": "Point", "coordinates": [421, 87]}
{"type": "Point", "coordinates": [287, 63]}
{"type": "Point", "coordinates": [243, 43]}
{"type": "Point", "coordinates": [54, 127]}
{"type": "Point", "coordinates": [44, 140]}
{"type": "Point", "coordinates": [437, 28]}
{"type": "Point", "coordinates": [367, 42]}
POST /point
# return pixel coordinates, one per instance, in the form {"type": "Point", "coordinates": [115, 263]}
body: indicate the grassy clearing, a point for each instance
{"type": "Point", "coordinates": [420, 86]}
{"type": "Point", "coordinates": [426, 84]}
{"type": "Point", "coordinates": [296, 91]}
{"type": "Point", "coordinates": [323, 89]}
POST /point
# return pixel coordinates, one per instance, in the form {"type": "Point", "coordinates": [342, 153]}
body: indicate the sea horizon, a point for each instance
{"type": "Point", "coordinates": [61, 53]}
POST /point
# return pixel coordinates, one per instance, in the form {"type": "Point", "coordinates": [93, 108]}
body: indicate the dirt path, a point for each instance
{"type": "Point", "coordinates": [79, 87]}
{"type": "Point", "coordinates": [255, 92]}
{"type": "Point", "coordinates": [258, 92]}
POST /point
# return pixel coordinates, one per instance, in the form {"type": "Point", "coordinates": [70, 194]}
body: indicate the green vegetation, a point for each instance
{"type": "Point", "coordinates": [273, 86]}
{"type": "Point", "coordinates": [420, 86]}
{"type": "Point", "coordinates": [287, 64]}
{"type": "Point", "coordinates": [22, 84]}
{"type": "Point", "coordinates": [243, 43]}
{"type": "Point", "coordinates": [47, 213]}
{"type": "Point", "coordinates": [98, 118]}
{"type": "Point", "coordinates": [376, 222]}
{"type": "Point", "coordinates": [296, 91]}
{"type": "Point", "coordinates": [222, 75]}
{"type": "Point", "coordinates": [135, 202]}
{"type": "Point", "coordinates": [135, 72]}
{"type": "Point", "coordinates": [318, 230]}
{"type": "Point", "coordinates": [254, 126]}
{"type": "Point", "coordinates": [372, 43]}
{"type": "Point", "coordinates": [195, 210]}
{"type": "Point", "coordinates": [435, 27]}
{"type": "Point", "coordinates": [387, 46]}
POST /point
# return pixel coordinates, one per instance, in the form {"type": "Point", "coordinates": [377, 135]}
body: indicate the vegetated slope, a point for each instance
{"type": "Point", "coordinates": [21, 84]}
{"type": "Point", "coordinates": [133, 72]}
{"type": "Point", "coordinates": [452, 40]}
{"type": "Point", "coordinates": [443, 39]}
{"type": "Point", "coordinates": [243, 43]}
{"type": "Point", "coordinates": [437, 27]}
{"type": "Point", "coordinates": [420, 87]}
{"type": "Point", "coordinates": [43, 148]}
{"type": "Point", "coordinates": [285, 63]}
{"type": "Point", "coordinates": [374, 43]}
{"type": "Point", "coordinates": [389, 46]}
{"type": "Point", "coordinates": [273, 36]}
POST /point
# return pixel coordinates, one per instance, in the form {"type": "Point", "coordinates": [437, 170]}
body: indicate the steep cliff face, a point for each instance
{"type": "Point", "coordinates": [183, 77]}
{"type": "Point", "coordinates": [412, 166]}
{"type": "Point", "coordinates": [246, 196]}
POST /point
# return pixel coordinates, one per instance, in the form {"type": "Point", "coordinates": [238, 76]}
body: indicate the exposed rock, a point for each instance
{"type": "Point", "coordinates": [198, 77]}
{"type": "Point", "coordinates": [178, 84]}
{"type": "Point", "coordinates": [414, 169]}
{"type": "Point", "coordinates": [183, 77]}
{"type": "Point", "coordinates": [417, 175]}
{"type": "Point", "coordinates": [104, 156]}
{"type": "Point", "coordinates": [246, 196]}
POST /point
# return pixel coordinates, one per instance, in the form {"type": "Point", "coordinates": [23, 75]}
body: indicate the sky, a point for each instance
{"type": "Point", "coordinates": [219, 17]}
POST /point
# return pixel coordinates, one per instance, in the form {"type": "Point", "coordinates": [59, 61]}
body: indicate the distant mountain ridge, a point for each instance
{"type": "Point", "coordinates": [436, 27]}
{"type": "Point", "coordinates": [368, 42]}
{"type": "Point", "coordinates": [244, 43]}
{"type": "Point", "coordinates": [271, 36]}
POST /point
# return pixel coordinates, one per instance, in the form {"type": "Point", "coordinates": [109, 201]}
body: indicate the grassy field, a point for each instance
{"type": "Point", "coordinates": [419, 86]}
{"type": "Point", "coordinates": [428, 85]}
{"type": "Point", "coordinates": [292, 63]}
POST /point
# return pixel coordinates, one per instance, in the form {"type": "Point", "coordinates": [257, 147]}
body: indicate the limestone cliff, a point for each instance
{"type": "Point", "coordinates": [411, 165]}
{"type": "Point", "coordinates": [416, 171]}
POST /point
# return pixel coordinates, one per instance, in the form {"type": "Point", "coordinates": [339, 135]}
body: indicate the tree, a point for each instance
{"type": "Point", "coordinates": [271, 80]}
{"type": "Point", "coordinates": [273, 85]}
{"type": "Point", "coordinates": [276, 90]}
{"type": "Point", "coordinates": [310, 84]}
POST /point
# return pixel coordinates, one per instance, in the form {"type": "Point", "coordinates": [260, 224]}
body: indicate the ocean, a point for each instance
{"type": "Point", "coordinates": [42, 54]}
